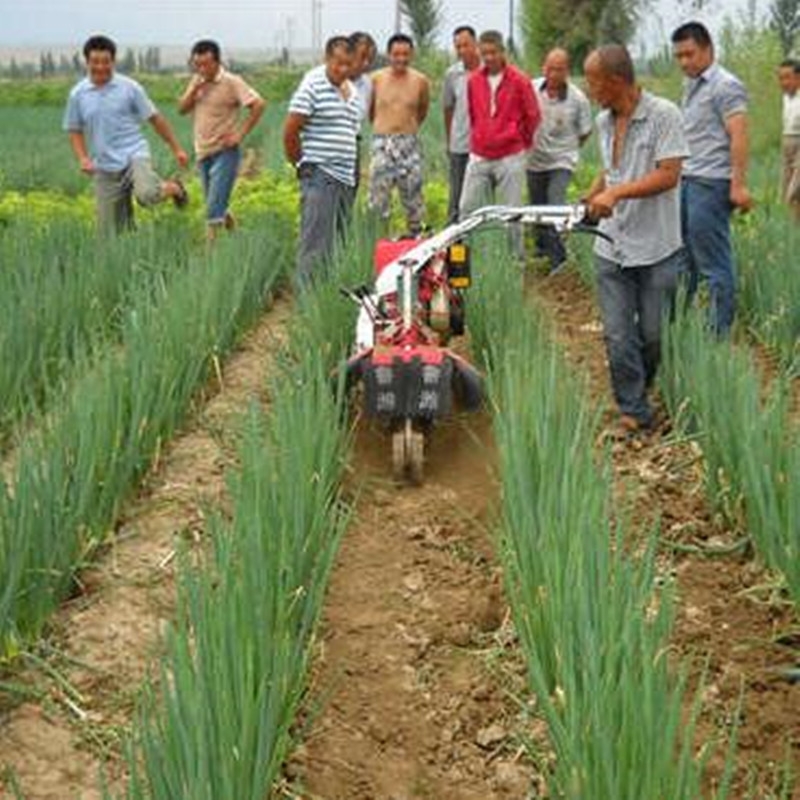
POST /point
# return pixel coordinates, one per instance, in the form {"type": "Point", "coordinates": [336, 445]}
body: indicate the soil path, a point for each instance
{"type": "Point", "coordinates": [107, 637]}
{"type": "Point", "coordinates": [413, 669]}
{"type": "Point", "coordinates": [720, 612]}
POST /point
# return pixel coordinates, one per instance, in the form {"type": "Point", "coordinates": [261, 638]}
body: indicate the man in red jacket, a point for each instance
{"type": "Point", "coordinates": [503, 115]}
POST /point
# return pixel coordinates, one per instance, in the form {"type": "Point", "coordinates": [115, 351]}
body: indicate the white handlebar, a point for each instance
{"type": "Point", "coordinates": [561, 218]}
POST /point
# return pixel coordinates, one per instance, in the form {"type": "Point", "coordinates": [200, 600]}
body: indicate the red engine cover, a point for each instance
{"type": "Point", "coordinates": [387, 250]}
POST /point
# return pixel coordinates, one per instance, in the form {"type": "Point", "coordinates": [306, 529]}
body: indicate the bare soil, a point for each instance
{"type": "Point", "coordinates": [104, 640]}
{"type": "Point", "coordinates": [413, 668]}
{"type": "Point", "coordinates": [418, 686]}
{"type": "Point", "coordinates": [727, 612]}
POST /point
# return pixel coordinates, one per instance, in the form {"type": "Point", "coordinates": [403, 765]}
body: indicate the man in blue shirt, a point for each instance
{"type": "Point", "coordinates": [103, 118]}
{"type": "Point", "coordinates": [715, 174]}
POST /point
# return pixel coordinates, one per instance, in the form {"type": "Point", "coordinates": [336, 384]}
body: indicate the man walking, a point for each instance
{"type": "Point", "coordinates": [642, 148]}
{"type": "Point", "coordinates": [216, 97]}
{"type": "Point", "coordinates": [789, 80]}
{"type": "Point", "coordinates": [456, 111]}
{"type": "Point", "coordinates": [715, 175]}
{"type": "Point", "coordinates": [103, 118]}
{"type": "Point", "coordinates": [566, 125]}
{"type": "Point", "coordinates": [503, 117]}
{"type": "Point", "coordinates": [400, 100]}
{"type": "Point", "coordinates": [319, 138]}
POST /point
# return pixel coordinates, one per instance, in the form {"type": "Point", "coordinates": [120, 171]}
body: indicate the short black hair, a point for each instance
{"type": "Point", "coordinates": [615, 60]}
{"type": "Point", "coordinates": [465, 29]}
{"type": "Point", "coordinates": [792, 63]}
{"type": "Point", "coordinates": [203, 46]}
{"type": "Point", "coordinates": [362, 37]}
{"type": "Point", "coordinates": [336, 43]}
{"type": "Point", "coordinates": [695, 31]}
{"type": "Point", "coordinates": [493, 37]}
{"type": "Point", "coordinates": [399, 38]}
{"type": "Point", "coordinates": [100, 42]}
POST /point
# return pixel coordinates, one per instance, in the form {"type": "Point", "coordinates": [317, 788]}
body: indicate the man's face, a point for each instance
{"type": "Point", "coordinates": [788, 80]}
{"type": "Point", "coordinates": [100, 66]}
{"type": "Point", "coordinates": [339, 66]}
{"type": "Point", "coordinates": [598, 84]}
{"type": "Point", "coordinates": [556, 71]}
{"type": "Point", "coordinates": [692, 58]}
{"type": "Point", "coordinates": [466, 48]}
{"type": "Point", "coordinates": [205, 65]}
{"type": "Point", "coordinates": [400, 56]}
{"type": "Point", "coordinates": [493, 57]}
{"type": "Point", "coordinates": [362, 59]}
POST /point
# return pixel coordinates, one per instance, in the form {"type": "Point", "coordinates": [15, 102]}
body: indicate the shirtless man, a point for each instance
{"type": "Point", "coordinates": [399, 105]}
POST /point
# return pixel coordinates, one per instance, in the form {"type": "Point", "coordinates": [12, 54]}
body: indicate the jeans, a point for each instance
{"type": "Point", "coordinates": [114, 192]}
{"type": "Point", "coordinates": [506, 176]}
{"type": "Point", "coordinates": [325, 206]}
{"type": "Point", "coordinates": [633, 303]}
{"type": "Point", "coordinates": [549, 188]}
{"type": "Point", "coordinates": [217, 175]}
{"type": "Point", "coordinates": [458, 166]}
{"type": "Point", "coordinates": [705, 220]}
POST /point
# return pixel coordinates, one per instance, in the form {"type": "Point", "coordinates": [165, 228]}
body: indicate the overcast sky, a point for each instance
{"type": "Point", "coordinates": [258, 23]}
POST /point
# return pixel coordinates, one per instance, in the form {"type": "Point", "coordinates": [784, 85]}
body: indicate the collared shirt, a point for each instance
{"type": "Point", "coordinates": [454, 98]}
{"type": "Point", "coordinates": [110, 117]}
{"type": "Point", "coordinates": [644, 230]}
{"type": "Point", "coordinates": [216, 110]}
{"type": "Point", "coordinates": [565, 121]}
{"type": "Point", "coordinates": [709, 101]}
{"type": "Point", "coordinates": [329, 136]}
{"type": "Point", "coordinates": [504, 121]}
{"type": "Point", "coordinates": [791, 114]}
{"type": "Point", "coordinates": [363, 85]}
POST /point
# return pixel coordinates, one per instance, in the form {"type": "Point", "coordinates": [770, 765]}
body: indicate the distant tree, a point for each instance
{"type": "Point", "coordinates": [128, 62]}
{"type": "Point", "coordinates": [577, 25]}
{"type": "Point", "coordinates": [77, 63]}
{"type": "Point", "coordinates": [784, 20]}
{"type": "Point", "coordinates": [14, 70]}
{"type": "Point", "coordinates": [47, 64]}
{"type": "Point", "coordinates": [425, 18]}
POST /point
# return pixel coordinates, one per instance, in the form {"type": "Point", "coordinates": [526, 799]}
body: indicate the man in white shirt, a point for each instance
{"type": "Point", "coordinates": [566, 125]}
{"type": "Point", "coordinates": [364, 53]}
{"type": "Point", "coordinates": [789, 80]}
{"type": "Point", "coordinates": [456, 111]}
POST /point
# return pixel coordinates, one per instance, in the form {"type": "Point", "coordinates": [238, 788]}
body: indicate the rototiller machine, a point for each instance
{"type": "Point", "coordinates": [410, 376]}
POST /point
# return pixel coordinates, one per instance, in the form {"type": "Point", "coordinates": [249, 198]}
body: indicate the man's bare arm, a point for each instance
{"type": "Point", "coordinates": [164, 130]}
{"type": "Point", "coordinates": [736, 125]}
{"type": "Point", "coordinates": [78, 144]}
{"type": "Point", "coordinates": [448, 124]}
{"type": "Point", "coordinates": [424, 100]}
{"type": "Point", "coordinates": [292, 145]}
{"type": "Point", "coordinates": [664, 177]}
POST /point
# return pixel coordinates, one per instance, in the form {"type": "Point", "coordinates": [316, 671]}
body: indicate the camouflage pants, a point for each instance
{"type": "Point", "coordinates": [397, 161]}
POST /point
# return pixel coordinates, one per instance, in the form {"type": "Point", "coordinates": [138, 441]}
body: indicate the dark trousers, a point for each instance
{"type": "Point", "coordinates": [325, 208]}
{"type": "Point", "coordinates": [705, 220]}
{"type": "Point", "coordinates": [549, 188]}
{"type": "Point", "coordinates": [458, 166]}
{"type": "Point", "coordinates": [634, 302]}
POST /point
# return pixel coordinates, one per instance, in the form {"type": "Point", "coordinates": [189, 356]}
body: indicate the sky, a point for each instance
{"type": "Point", "coordinates": [263, 23]}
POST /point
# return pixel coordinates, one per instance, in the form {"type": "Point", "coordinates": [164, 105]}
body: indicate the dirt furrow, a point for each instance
{"type": "Point", "coordinates": [415, 666]}
{"type": "Point", "coordinates": [80, 699]}
{"type": "Point", "coordinates": [722, 612]}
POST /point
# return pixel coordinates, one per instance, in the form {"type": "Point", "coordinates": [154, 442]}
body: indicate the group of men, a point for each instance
{"type": "Point", "coordinates": [104, 116]}
{"type": "Point", "coordinates": [670, 177]}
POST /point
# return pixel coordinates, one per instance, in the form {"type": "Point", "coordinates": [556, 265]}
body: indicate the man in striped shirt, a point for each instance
{"type": "Point", "coordinates": [319, 138]}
